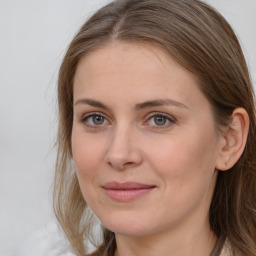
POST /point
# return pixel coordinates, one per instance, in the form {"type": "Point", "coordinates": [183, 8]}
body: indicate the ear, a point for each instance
{"type": "Point", "coordinates": [234, 140]}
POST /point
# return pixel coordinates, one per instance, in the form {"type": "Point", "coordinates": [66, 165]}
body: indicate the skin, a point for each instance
{"type": "Point", "coordinates": [178, 156]}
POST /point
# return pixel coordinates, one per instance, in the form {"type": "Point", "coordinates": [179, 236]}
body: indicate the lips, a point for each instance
{"type": "Point", "coordinates": [126, 191]}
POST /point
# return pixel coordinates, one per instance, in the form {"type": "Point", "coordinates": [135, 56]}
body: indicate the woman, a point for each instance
{"type": "Point", "coordinates": [157, 114]}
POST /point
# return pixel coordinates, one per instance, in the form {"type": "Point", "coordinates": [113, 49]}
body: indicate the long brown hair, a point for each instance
{"type": "Point", "coordinates": [201, 40]}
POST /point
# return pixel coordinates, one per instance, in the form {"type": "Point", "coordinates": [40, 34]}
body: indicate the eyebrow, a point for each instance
{"type": "Point", "coordinates": [146, 104]}
{"type": "Point", "coordinates": [91, 102]}
{"type": "Point", "coordinates": [160, 102]}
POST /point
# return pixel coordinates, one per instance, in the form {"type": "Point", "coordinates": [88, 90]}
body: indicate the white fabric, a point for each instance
{"type": "Point", "coordinates": [45, 242]}
{"type": "Point", "coordinates": [226, 251]}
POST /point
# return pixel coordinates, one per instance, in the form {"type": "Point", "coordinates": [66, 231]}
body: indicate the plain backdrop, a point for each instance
{"type": "Point", "coordinates": [33, 38]}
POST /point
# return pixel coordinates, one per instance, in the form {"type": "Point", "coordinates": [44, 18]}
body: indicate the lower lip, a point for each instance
{"type": "Point", "coordinates": [127, 195]}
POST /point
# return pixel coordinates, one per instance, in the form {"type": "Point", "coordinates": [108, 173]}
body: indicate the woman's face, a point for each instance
{"type": "Point", "coordinates": [144, 141]}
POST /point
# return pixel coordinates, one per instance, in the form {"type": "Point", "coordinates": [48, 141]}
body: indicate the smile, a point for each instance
{"type": "Point", "coordinates": [127, 191]}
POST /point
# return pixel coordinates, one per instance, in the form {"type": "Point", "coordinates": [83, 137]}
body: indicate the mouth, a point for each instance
{"type": "Point", "coordinates": [127, 191]}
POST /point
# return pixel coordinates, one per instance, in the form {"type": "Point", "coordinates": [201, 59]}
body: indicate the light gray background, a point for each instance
{"type": "Point", "coordinates": [33, 39]}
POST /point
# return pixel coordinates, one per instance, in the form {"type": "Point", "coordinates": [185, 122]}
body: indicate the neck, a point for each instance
{"type": "Point", "coordinates": [194, 242]}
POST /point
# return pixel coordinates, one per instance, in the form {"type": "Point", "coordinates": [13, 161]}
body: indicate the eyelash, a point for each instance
{"type": "Point", "coordinates": [167, 117]}
{"type": "Point", "coordinates": [86, 117]}
{"type": "Point", "coordinates": [170, 120]}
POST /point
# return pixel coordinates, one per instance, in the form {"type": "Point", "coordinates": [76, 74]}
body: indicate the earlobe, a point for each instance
{"type": "Point", "coordinates": [235, 137]}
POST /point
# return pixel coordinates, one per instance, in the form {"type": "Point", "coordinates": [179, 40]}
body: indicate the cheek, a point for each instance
{"type": "Point", "coordinates": [186, 169]}
{"type": "Point", "coordinates": [185, 158]}
{"type": "Point", "coordinates": [87, 157]}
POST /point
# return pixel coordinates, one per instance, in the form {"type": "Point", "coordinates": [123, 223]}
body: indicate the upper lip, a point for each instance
{"type": "Point", "coordinates": [126, 185]}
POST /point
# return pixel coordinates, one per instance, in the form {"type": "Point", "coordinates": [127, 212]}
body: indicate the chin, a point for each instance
{"type": "Point", "coordinates": [128, 226]}
{"type": "Point", "coordinates": [128, 231]}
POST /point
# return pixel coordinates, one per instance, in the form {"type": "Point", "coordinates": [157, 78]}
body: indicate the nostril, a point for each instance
{"type": "Point", "coordinates": [121, 166]}
{"type": "Point", "coordinates": [122, 158]}
{"type": "Point", "coordinates": [128, 163]}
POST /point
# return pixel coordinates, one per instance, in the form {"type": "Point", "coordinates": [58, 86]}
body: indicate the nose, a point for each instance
{"type": "Point", "coordinates": [123, 151]}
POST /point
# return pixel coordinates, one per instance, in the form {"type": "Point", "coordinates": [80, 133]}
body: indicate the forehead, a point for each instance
{"type": "Point", "coordinates": [134, 70]}
{"type": "Point", "coordinates": [123, 55]}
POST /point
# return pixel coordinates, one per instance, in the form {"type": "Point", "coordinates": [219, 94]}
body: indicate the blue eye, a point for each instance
{"type": "Point", "coordinates": [160, 120]}
{"type": "Point", "coordinates": [94, 120]}
{"type": "Point", "coordinates": [98, 120]}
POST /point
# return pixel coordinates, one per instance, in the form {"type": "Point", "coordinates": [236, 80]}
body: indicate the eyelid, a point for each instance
{"type": "Point", "coordinates": [91, 114]}
{"type": "Point", "coordinates": [170, 118]}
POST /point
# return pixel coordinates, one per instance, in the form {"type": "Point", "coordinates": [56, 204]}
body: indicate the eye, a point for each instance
{"type": "Point", "coordinates": [94, 120]}
{"type": "Point", "coordinates": [160, 120]}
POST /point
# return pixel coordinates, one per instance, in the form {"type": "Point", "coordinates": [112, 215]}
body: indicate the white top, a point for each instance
{"type": "Point", "coordinates": [47, 241]}
{"type": "Point", "coordinates": [226, 251]}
